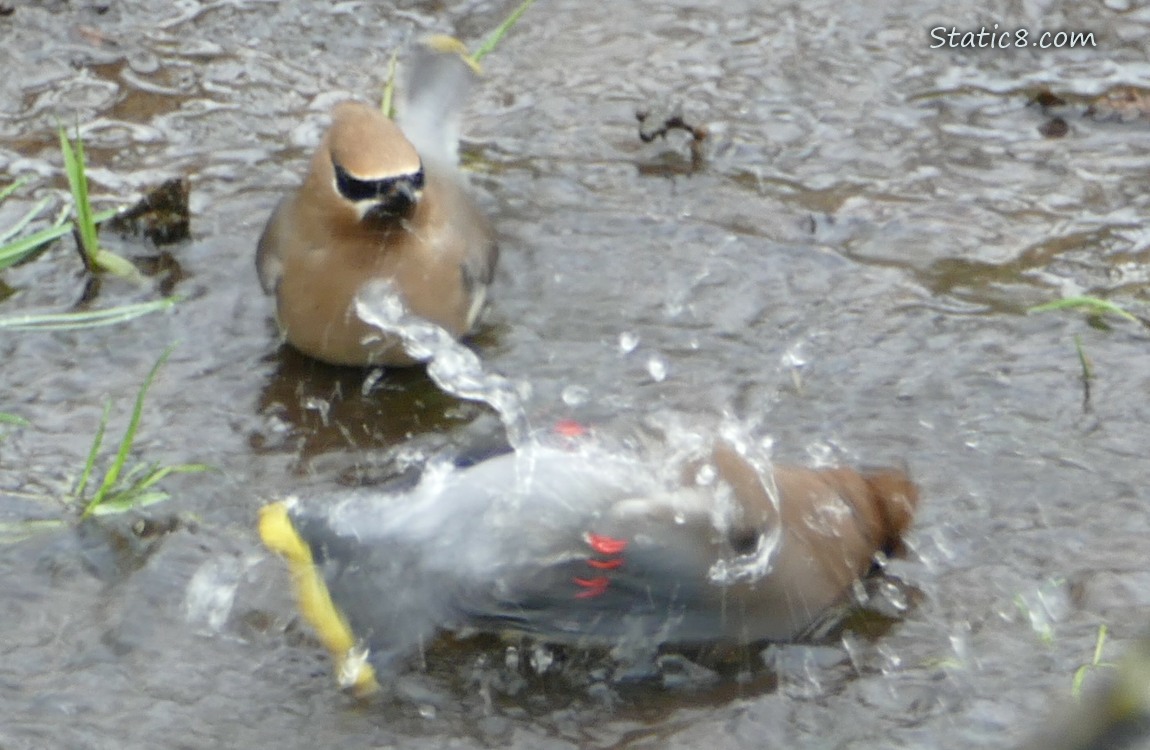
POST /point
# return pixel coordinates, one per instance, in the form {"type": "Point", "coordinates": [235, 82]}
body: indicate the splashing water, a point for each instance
{"type": "Point", "coordinates": [760, 561]}
{"type": "Point", "coordinates": [451, 365]}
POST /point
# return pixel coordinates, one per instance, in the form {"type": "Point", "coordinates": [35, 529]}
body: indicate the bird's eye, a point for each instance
{"type": "Point", "coordinates": [356, 190]}
{"type": "Point", "coordinates": [416, 180]}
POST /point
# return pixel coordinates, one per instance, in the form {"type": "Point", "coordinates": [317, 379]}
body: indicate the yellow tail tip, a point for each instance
{"type": "Point", "coordinates": [278, 533]}
{"type": "Point", "coordinates": [449, 45]}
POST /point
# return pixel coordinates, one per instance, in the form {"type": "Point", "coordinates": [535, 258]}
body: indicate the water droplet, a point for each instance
{"type": "Point", "coordinates": [320, 406]}
{"type": "Point", "coordinates": [628, 341]}
{"type": "Point", "coordinates": [541, 659]}
{"type": "Point", "coordinates": [374, 375]}
{"type": "Point", "coordinates": [821, 453]}
{"type": "Point", "coordinates": [794, 357]}
{"type": "Point", "coordinates": [657, 368]}
{"type": "Point", "coordinates": [576, 395]}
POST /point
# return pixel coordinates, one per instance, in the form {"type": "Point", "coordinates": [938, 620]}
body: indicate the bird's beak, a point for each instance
{"type": "Point", "coordinates": [397, 202]}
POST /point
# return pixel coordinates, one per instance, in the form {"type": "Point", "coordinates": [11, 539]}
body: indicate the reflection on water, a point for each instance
{"type": "Point", "coordinates": [312, 409]}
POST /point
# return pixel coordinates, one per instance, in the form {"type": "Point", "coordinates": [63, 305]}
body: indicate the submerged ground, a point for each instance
{"type": "Point", "coordinates": [847, 269]}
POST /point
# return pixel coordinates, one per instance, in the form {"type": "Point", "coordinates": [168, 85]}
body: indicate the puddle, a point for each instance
{"type": "Point", "coordinates": [846, 270]}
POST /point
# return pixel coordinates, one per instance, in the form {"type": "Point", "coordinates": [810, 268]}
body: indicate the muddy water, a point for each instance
{"type": "Point", "coordinates": [848, 270]}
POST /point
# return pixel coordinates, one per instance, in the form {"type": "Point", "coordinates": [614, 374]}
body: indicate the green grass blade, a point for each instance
{"type": "Point", "coordinates": [1083, 360]}
{"type": "Point", "coordinates": [118, 265]}
{"type": "Point", "coordinates": [387, 106]}
{"type": "Point", "coordinates": [1076, 683]}
{"type": "Point", "coordinates": [13, 187]}
{"type": "Point", "coordinates": [121, 502]}
{"type": "Point", "coordinates": [24, 220]}
{"type": "Point", "coordinates": [500, 31]}
{"type": "Point", "coordinates": [17, 531]}
{"type": "Point", "coordinates": [78, 181]}
{"type": "Point", "coordinates": [131, 477]}
{"type": "Point", "coordinates": [159, 473]}
{"type": "Point", "coordinates": [76, 321]}
{"type": "Point", "coordinates": [1090, 304]}
{"type": "Point", "coordinates": [113, 473]}
{"type": "Point", "coordinates": [98, 259]}
{"type": "Point", "coordinates": [1099, 644]}
{"type": "Point", "coordinates": [1096, 662]}
{"type": "Point", "coordinates": [13, 419]}
{"type": "Point", "coordinates": [86, 474]}
{"type": "Point", "coordinates": [19, 249]}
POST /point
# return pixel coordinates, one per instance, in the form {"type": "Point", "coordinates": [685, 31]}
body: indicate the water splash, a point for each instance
{"type": "Point", "coordinates": [451, 365]}
{"type": "Point", "coordinates": [760, 561]}
{"type": "Point", "coordinates": [211, 592]}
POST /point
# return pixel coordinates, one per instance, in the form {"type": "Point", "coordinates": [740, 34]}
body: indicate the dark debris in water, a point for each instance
{"type": "Point", "coordinates": [161, 215]}
{"type": "Point", "coordinates": [1117, 104]}
{"type": "Point", "coordinates": [658, 121]}
{"type": "Point", "coordinates": [163, 266]}
{"type": "Point", "coordinates": [656, 124]}
{"type": "Point", "coordinates": [1121, 103]}
{"type": "Point", "coordinates": [1044, 97]}
{"type": "Point", "coordinates": [114, 547]}
{"type": "Point", "coordinates": [1055, 127]}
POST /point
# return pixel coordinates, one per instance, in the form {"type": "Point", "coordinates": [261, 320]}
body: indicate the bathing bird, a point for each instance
{"type": "Point", "coordinates": [578, 543]}
{"type": "Point", "coordinates": [381, 200]}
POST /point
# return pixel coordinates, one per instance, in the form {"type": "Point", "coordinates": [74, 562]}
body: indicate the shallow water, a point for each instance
{"type": "Point", "coordinates": [848, 270]}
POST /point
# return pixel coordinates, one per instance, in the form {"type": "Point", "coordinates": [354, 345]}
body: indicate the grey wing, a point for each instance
{"type": "Point", "coordinates": [269, 265]}
{"type": "Point", "coordinates": [478, 267]}
{"type": "Point", "coordinates": [649, 590]}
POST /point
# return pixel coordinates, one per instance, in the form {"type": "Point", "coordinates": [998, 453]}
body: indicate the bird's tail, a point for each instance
{"type": "Point", "coordinates": [314, 600]}
{"type": "Point", "coordinates": [438, 80]}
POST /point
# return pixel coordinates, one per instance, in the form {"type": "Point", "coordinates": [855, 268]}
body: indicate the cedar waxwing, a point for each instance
{"type": "Point", "coordinates": [381, 201]}
{"type": "Point", "coordinates": [581, 545]}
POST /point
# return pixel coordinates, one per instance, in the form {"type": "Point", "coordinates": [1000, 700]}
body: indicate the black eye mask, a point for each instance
{"type": "Point", "coordinates": [393, 193]}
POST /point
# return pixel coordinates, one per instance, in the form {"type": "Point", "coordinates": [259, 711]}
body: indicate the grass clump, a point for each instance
{"type": "Point", "coordinates": [122, 489]}
{"type": "Point", "coordinates": [95, 257]}
{"type": "Point", "coordinates": [1095, 308]}
{"type": "Point", "coordinates": [16, 249]}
